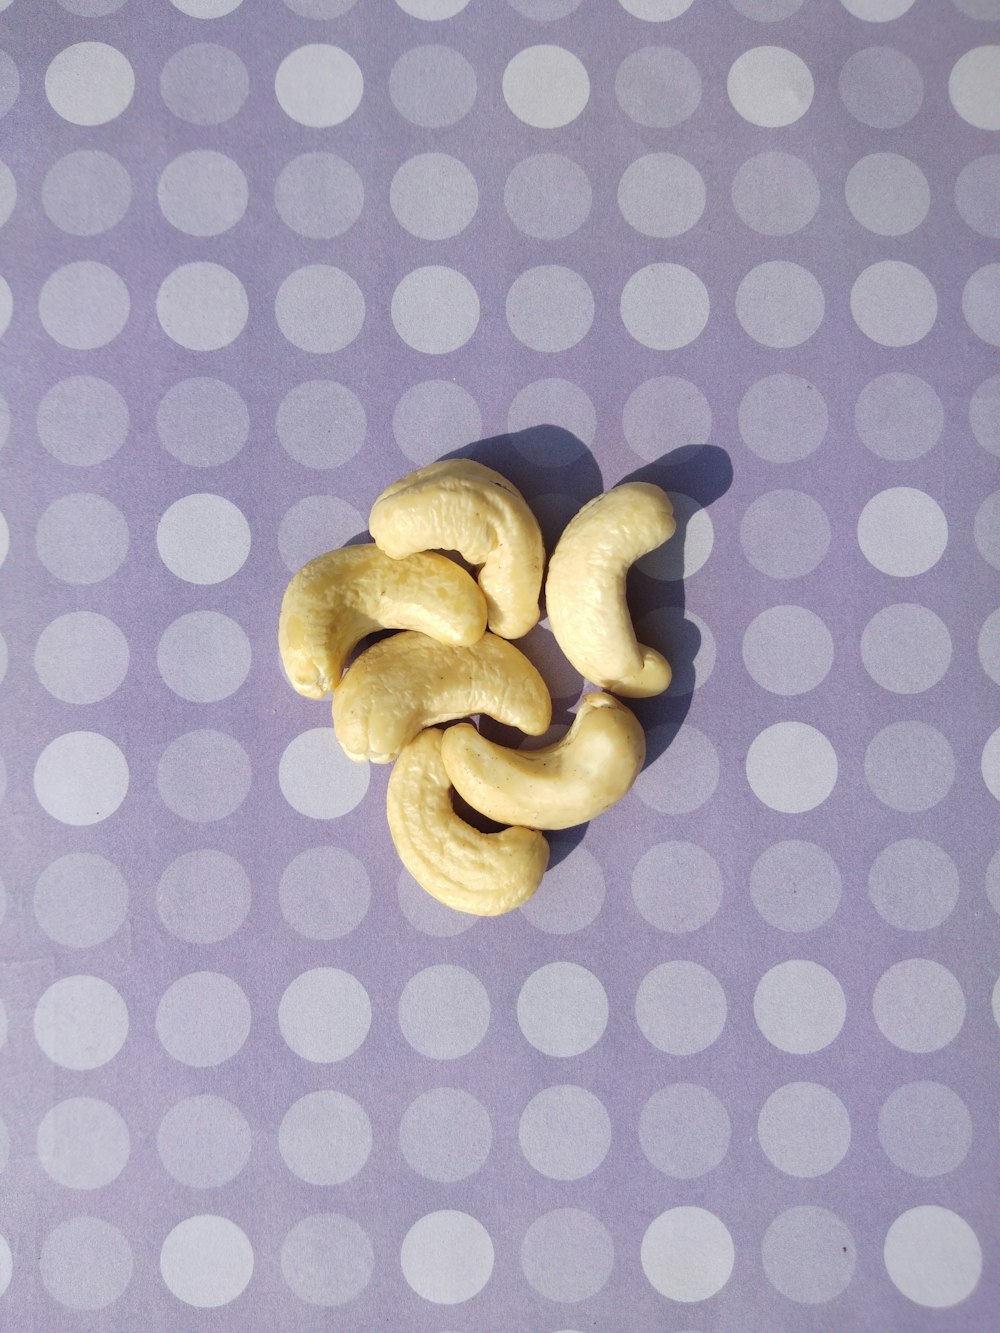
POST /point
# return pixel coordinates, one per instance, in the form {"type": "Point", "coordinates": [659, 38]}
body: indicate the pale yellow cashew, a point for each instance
{"type": "Point", "coordinates": [585, 589]}
{"type": "Point", "coordinates": [460, 505]}
{"type": "Point", "coordinates": [338, 598]}
{"type": "Point", "coordinates": [482, 873]}
{"type": "Point", "coordinates": [407, 682]}
{"type": "Point", "coordinates": [567, 783]}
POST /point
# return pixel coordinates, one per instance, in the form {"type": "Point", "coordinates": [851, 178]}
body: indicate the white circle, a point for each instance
{"type": "Point", "coordinates": [677, 887]}
{"type": "Point", "coordinates": [204, 84]}
{"type": "Point", "coordinates": [980, 297]}
{"type": "Point", "coordinates": [977, 194]}
{"type": "Point", "coordinates": [202, 306]}
{"type": "Point", "coordinates": [82, 306]}
{"type": "Point", "coordinates": [82, 420]}
{"type": "Point", "coordinates": [324, 893]}
{"type": "Point", "coordinates": [808, 1255]}
{"type": "Point", "coordinates": [325, 1138]}
{"type": "Point", "coordinates": [202, 422]}
{"type": "Point", "coordinates": [321, 424]}
{"type": "Point", "coordinates": [319, 85]}
{"type": "Point", "coordinates": [547, 196]}
{"type": "Point", "coordinates": [444, 1012]}
{"type": "Point", "coordinates": [426, 914]}
{"type": "Point", "coordinates": [564, 1132]}
{"type": "Point", "coordinates": [324, 1015]}
{"type": "Point", "coordinates": [558, 403]}
{"type": "Point", "coordinates": [81, 1022]}
{"type": "Point", "coordinates": [434, 196]}
{"type": "Point", "coordinates": [799, 1006]}
{"type": "Point", "coordinates": [989, 646]}
{"type": "Point", "coordinates": [327, 1259]}
{"type": "Point", "coordinates": [776, 194]}
{"type": "Point", "coordinates": [788, 650]}
{"type": "Point", "coordinates": [783, 418]}
{"type": "Point", "coordinates": [203, 656]}
{"type": "Point", "coordinates": [894, 303]}
{"type": "Point", "coordinates": [887, 193]}
{"type": "Point", "coordinates": [881, 87]}
{"type": "Point", "coordinates": [432, 11]}
{"type": "Point", "coordinates": [780, 304]}
{"type": "Point", "coordinates": [83, 1143]}
{"type": "Point", "coordinates": [909, 766]}
{"type": "Point", "coordinates": [666, 412]}
{"type": "Point", "coordinates": [7, 307]}
{"type": "Point", "coordinates": [680, 1008]}
{"type": "Point", "coordinates": [89, 83]}
{"type": "Point", "coordinates": [918, 1006]}
{"type": "Point", "coordinates": [687, 551]}
{"type": "Point", "coordinates": [906, 648]}
{"type": "Point", "coordinates": [316, 777]}
{"type": "Point", "coordinates": [785, 534]}
{"type": "Point", "coordinates": [664, 306]}
{"type": "Point", "coordinates": [435, 309]}
{"type": "Point", "coordinates": [204, 776]}
{"type": "Point", "coordinates": [432, 86]}
{"type": "Point", "coordinates": [902, 531]}
{"type": "Point", "coordinates": [986, 529]}
{"type": "Point", "coordinates": [684, 1131]}
{"type": "Point", "coordinates": [687, 1254]}
{"type": "Point", "coordinates": [562, 1009]}
{"type": "Point", "coordinates": [202, 193]}
{"type": "Point", "coordinates": [85, 1263]}
{"type": "Point", "coordinates": [658, 87]}
{"type": "Point", "coordinates": [447, 1257]}
{"type": "Point", "coordinates": [434, 417]}
{"type": "Point", "coordinates": [320, 309]}
{"type": "Point", "coordinates": [203, 1019]}
{"type": "Point", "coordinates": [81, 657]}
{"type": "Point", "coordinates": [206, 9]}
{"type": "Point", "coordinates": [81, 538]}
{"type": "Point", "coordinates": [972, 87]}
{"type": "Point", "coordinates": [656, 11]}
{"type": "Point", "coordinates": [899, 416]}
{"type": "Point", "coordinates": [206, 1261]}
{"type": "Point", "coordinates": [204, 1141]}
{"type": "Point", "coordinates": [925, 1129]}
{"type": "Point", "coordinates": [546, 86]}
{"type": "Point", "coordinates": [877, 11]}
{"type": "Point", "coordinates": [81, 778]}
{"type": "Point", "coordinates": [791, 767]}
{"type": "Point", "coordinates": [80, 900]}
{"type": "Point", "coordinates": [685, 773]}
{"type": "Point", "coordinates": [6, 1265]}
{"type": "Point", "coordinates": [8, 193]}
{"type": "Point", "coordinates": [661, 195]}
{"type": "Point", "coordinates": [933, 1256]}
{"type": "Point", "coordinates": [203, 896]}
{"type": "Point", "coordinates": [570, 896]}
{"type": "Point", "coordinates": [804, 1130]}
{"type": "Point", "coordinates": [795, 886]}
{"type": "Point", "coordinates": [549, 308]}
{"type": "Point", "coordinates": [445, 1135]}
{"type": "Point", "coordinates": [203, 538]}
{"type": "Point", "coordinates": [990, 764]}
{"type": "Point", "coordinates": [770, 86]}
{"type": "Point", "coordinates": [319, 195]}
{"type": "Point", "coordinates": [567, 1255]}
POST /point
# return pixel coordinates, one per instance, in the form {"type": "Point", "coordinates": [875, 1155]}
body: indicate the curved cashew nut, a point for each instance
{"type": "Point", "coordinates": [560, 785]}
{"type": "Point", "coordinates": [585, 588]}
{"type": "Point", "coordinates": [460, 505]}
{"type": "Point", "coordinates": [338, 598]}
{"type": "Point", "coordinates": [408, 682]}
{"type": "Point", "coordinates": [482, 873]}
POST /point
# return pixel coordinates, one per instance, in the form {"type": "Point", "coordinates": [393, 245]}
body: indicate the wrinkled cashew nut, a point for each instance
{"type": "Point", "coordinates": [338, 598]}
{"type": "Point", "coordinates": [460, 505]}
{"type": "Point", "coordinates": [555, 787]}
{"type": "Point", "coordinates": [482, 873]}
{"type": "Point", "coordinates": [585, 589]}
{"type": "Point", "coordinates": [408, 682]}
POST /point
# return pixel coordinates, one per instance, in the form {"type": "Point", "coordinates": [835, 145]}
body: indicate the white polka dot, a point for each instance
{"type": "Point", "coordinates": [658, 87]}
{"type": "Point", "coordinates": [893, 303]}
{"type": "Point", "coordinates": [83, 1143]}
{"type": "Point", "coordinates": [206, 9]}
{"type": "Point", "coordinates": [656, 11]}
{"type": "Point", "coordinates": [315, 525]}
{"type": "Point", "coordinates": [6, 1265]}
{"type": "Point", "coordinates": [447, 1257]}
{"type": "Point", "coordinates": [325, 1138]}
{"type": "Point", "coordinates": [775, 194]}
{"type": "Point", "coordinates": [770, 87]}
{"type": "Point", "coordinates": [689, 643]}
{"type": "Point", "coordinates": [664, 306]}
{"type": "Point", "coordinates": [567, 1255]}
{"type": "Point", "coordinates": [204, 1141]}
{"type": "Point", "coordinates": [202, 306]}
{"type": "Point", "coordinates": [549, 308]}
{"type": "Point", "coordinates": [980, 298]}
{"type": "Point", "coordinates": [783, 418]}
{"type": "Point", "coordinates": [81, 1022]}
{"type": "Point", "coordinates": [435, 309]}
{"type": "Point", "coordinates": [324, 1015]}
{"type": "Point", "coordinates": [684, 774]}
{"type": "Point", "coordinates": [665, 413]}
{"type": "Point", "coordinates": [434, 196]}
{"type": "Point", "coordinates": [433, 418]}
{"type": "Point", "coordinates": [321, 424]}
{"type": "Point", "coordinates": [791, 767]}
{"type": "Point", "coordinates": [432, 11]}
{"type": "Point", "coordinates": [799, 1007]}
{"type": "Point", "coordinates": [203, 656]}
{"type": "Point", "coordinates": [203, 538]}
{"type": "Point", "coordinates": [85, 1263]}
{"type": "Point", "coordinates": [204, 776]}
{"type": "Point", "coordinates": [444, 1012]}
{"type": "Point", "coordinates": [547, 196]}
{"type": "Point", "coordinates": [687, 1254]}
{"type": "Point", "coordinates": [426, 914]}
{"type": "Point", "coordinates": [89, 83]}
{"type": "Point", "coordinates": [988, 646]}
{"type": "Point", "coordinates": [677, 887]}
{"type": "Point", "coordinates": [203, 1019]}
{"type": "Point", "coordinates": [910, 766]}
{"type": "Point", "coordinates": [877, 11]}
{"type": "Point", "coordinates": [84, 305]}
{"type": "Point", "coordinates": [977, 195]}
{"type": "Point", "coordinates": [203, 896]}
{"type": "Point", "coordinates": [881, 87]}
{"type": "Point", "coordinates": [804, 1130]}
{"type": "Point", "coordinates": [808, 1255]}
{"type": "Point", "coordinates": [902, 531]}
{"type": "Point", "coordinates": [888, 194]}
{"type": "Point", "coordinates": [320, 309]}
{"type": "Point", "coordinates": [82, 420]}
{"type": "Point", "coordinates": [82, 538]}
{"type": "Point", "coordinates": [327, 1259]}
{"type": "Point", "coordinates": [8, 193]}
{"type": "Point", "coordinates": [320, 9]}
{"type": "Point", "coordinates": [972, 87]}
{"type": "Point", "coordinates": [319, 195]}
{"type": "Point", "coordinates": [990, 764]}
{"type": "Point", "coordinates": [788, 650]}
{"type": "Point", "coordinates": [432, 86]}
{"type": "Point", "coordinates": [206, 1261]}
{"type": "Point", "coordinates": [684, 1131]}
{"type": "Point", "coordinates": [546, 86]}
{"type": "Point", "coordinates": [203, 422]}
{"type": "Point", "coordinates": [203, 193]}
{"type": "Point", "coordinates": [319, 86]}
{"type": "Point", "coordinates": [899, 416]}
{"type": "Point", "coordinates": [81, 900]}
{"type": "Point", "coordinates": [86, 193]}
{"type": "Point", "coordinates": [545, 11]}
{"type": "Point", "coordinates": [5, 421]}
{"type": "Point", "coordinates": [570, 896]}
{"type": "Point", "coordinates": [324, 893]}
{"type": "Point", "coordinates": [680, 1008]}
{"type": "Point", "coordinates": [445, 1135]}
{"type": "Point", "coordinates": [552, 402]}
{"type": "Point", "coordinates": [780, 304]}
{"type": "Point", "coordinates": [81, 778]}
{"type": "Point", "coordinates": [933, 1256]}
{"type": "Point", "coordinates": [795, 886]}
{"type": "Point", "coordinates": [81, 657]}
{"type": "Point", "coordinates": [918, 1006]}
{"type": "Point", "coordinates": [906, 648]}
{"type": "Point", "coordinates": [562, 1009]}
{"type": "Point", "coordinates": [565, 1132]}
{"type": "Point", "coordinates": [204, 84]}
{"type": "Point", "coordinates": [925, 1129]}
{"type": "Point", "coordinates": [661, 195]}
{"type": "Point", "coordinates": [316, 777]}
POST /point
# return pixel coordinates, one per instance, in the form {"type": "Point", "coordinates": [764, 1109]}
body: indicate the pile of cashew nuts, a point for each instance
{"type": "Point", "coordinates": [452, 658]}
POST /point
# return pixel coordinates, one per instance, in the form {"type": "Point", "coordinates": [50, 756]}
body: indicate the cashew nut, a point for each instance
{"type": "Point", "coordinates": [460, 505]}
{"type": "Point", "coordinates": [567, 783]}
{"type": "Point", "coordinates": [482, 873]}
{"type": "Point", "coordinates": [409, 681]}
{"type": "Point", "coordinates": [338, 598]}
{"type": "Point", "coordinates": [585, 588]}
